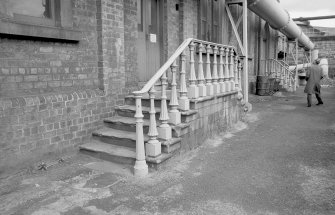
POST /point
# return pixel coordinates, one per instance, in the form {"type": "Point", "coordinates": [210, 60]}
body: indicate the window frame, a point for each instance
{"type": "Point", "coordinates": [60, 27]}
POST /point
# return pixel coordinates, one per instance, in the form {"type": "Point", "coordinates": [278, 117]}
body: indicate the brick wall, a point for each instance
{"type": "Point", "coordinates": [37, 67]}
{"type": "Point", "coordinates": [130, 39]}
{"type": "Point", "coordinates": [54, 94]}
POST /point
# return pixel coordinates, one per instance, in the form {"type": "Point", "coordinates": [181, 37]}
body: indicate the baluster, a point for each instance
{"type": "Point", "coordinates": [201, 78]}
{"type": "Point", "coordinates": [239, 81]}
{"type": "Point", "coordinates": [174, 114]}
{"type": "Point", "coordinates": [231, 69]}
{"type": "Point", "coordinates": [239, 76]}
{"type": "Point", "coordinates": [221, 76]}
{"type": "Point", "coordinates": [236, 73]}
{"type": "Point", "coordinates": [153, 146]}
{"type": "Point", "coordinates": [193, 91]}
{"type": "Point", "coordinates": [281, 75]}
{"type": "Point", "coordinates": [285, 79]}
{"type": "Point", "coordinates": [164, 130]}
{"type": "Point", "coordinates": [289, 78]}
{"type": "Point", "coordinates": [216, 85]}
{"type": "Point", "coordinates": [209, 85]}
{"type": "Point", "coordinates": [141, 167]}
{"type": "Point", "coordinates": [184, 102]}
{"type": "Point", "coordinates": [226, 71]}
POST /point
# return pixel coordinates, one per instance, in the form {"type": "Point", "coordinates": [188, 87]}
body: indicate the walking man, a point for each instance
{"type": "Point", "coordinates": [313, 77]}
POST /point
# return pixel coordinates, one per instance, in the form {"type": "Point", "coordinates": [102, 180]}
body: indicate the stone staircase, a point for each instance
{"type": "Point", "coordinates": [116, 141]}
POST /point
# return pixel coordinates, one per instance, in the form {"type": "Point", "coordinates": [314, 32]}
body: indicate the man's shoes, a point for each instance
{"type": "Point", "coordinates": [320, 103]}
{"type": "Point", "coordinates": [309, 105]}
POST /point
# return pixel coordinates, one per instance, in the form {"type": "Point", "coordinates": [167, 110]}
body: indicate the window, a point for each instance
{"type": "Point", "coordinates": [32, 11]}
{"type": "Point", "coordinates": [209, 23]}
{"type": "Point", "coordinates": [37, 18]}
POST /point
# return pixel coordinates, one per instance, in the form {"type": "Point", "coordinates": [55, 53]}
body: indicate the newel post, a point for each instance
{"type": "Point", "coordinates": [141, 167]}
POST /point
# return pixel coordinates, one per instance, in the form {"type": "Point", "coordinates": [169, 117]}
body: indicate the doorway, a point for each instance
{"type": "Point", "coordinates": [149, 42]}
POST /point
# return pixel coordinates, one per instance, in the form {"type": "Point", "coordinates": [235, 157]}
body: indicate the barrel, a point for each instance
{"type": "Point", "coordinates": [262, 86]}
{"type": "Point", "coordinates": [324, 66]}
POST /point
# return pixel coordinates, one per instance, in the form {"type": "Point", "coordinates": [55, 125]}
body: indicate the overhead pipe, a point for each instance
{"type": "Point", "coordinates": [279, 19]}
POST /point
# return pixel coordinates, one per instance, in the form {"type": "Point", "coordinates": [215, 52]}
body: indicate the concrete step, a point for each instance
{"type": "Point", "coordinates": [120, 155]}
{"type": "Point", "coordinates": [128, 139]}
{"type": "Point", "coordinates": [109, 152]}
{"type": "Point", "coordinates": [129, 124]}
{"type": "Point", "coordinates": [117, 137]}
{"type": "Point", "coordinates": [125, 123]}
{"type": "Point", "coordinates": [130, 100]}
{"type": "Point", "coordinates": [129, 111]}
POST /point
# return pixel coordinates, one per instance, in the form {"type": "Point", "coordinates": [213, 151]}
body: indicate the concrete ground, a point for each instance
{"type": "Point", "coordinates": [281, 161]}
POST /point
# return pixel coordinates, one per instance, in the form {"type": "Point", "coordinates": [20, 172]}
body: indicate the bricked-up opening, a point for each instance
{"type": "Point", "coordinates": [38, 18]}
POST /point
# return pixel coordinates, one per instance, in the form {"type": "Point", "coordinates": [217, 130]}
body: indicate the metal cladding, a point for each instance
{"type": "Point", "coordinates": [279, 19]}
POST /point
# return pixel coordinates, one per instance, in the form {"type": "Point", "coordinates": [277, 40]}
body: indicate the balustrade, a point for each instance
{"type": "Point", "coordinates": [222, 76]}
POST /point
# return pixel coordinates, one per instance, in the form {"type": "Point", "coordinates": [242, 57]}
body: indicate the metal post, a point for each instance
{"type": "Point", "coordinates": [245, 44]}
{"type": "Point", "coordinates": [296, 63]}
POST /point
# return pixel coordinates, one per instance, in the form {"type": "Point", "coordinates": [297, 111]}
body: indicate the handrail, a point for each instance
{"type": "Point", "coordinates": [170, 61]}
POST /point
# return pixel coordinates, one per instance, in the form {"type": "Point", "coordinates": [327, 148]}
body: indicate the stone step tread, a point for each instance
{"type": "Point", "coordinates": [158, 95]}
{"type": "Point", "coordinates": [132, 108]}
{"type": "Point", "coordinates": [110, 132]}
{"type": "Point", "coordinates": [97, 146]}
{"type": "Point", "coordinates": [119, 151]}
{"type": "Point", "coordinates": [125, 120]}
{"type": "Point", "coordinates": [132, 121]}
{"type": "Point", "coordinates": [172, 141]}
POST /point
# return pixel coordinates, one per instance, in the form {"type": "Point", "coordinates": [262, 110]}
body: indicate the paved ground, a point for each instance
{"type": "Point", "coordinates": [281, 162]}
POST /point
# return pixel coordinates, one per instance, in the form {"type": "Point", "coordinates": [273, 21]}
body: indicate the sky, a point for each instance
{"type": "Point", "coordinates": [309, 8]}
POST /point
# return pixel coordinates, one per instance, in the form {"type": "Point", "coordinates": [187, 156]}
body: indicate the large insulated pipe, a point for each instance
{"type": "Point", "coordinates": [279, 19]}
